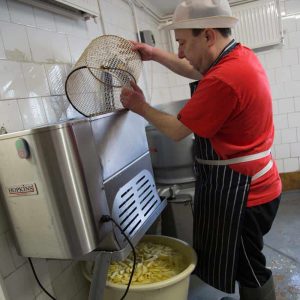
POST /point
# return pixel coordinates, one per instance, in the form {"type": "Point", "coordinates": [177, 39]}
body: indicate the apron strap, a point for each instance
{"type": "Point", "coordinates": [241, 159]}
{"type": "Point", "coordinates": [236, 160]}
{"type": "Point", "coordinates": [263, 171]}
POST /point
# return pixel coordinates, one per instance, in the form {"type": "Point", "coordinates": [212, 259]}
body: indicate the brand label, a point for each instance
{"type": "Point", "coordinates": [25, 189]}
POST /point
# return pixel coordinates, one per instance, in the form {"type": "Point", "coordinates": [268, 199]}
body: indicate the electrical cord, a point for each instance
{"type": "Point", "coordinates": [38, 281]}
{"type": "Point", "coordinates": [106, 218]}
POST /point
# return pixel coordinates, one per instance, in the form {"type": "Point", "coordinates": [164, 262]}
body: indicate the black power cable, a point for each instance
{"type": "Point", "coordinates": [37, 279]}
{"type": "Point", "coordinates": [106, 218]}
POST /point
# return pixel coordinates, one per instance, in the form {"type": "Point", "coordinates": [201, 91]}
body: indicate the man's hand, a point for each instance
{"type": "Point", "coordinates": [133, 99]}
{"type": "Point", "coordinates": [146, 51]}
{"type": "Point", "coordinates": [170, 60]}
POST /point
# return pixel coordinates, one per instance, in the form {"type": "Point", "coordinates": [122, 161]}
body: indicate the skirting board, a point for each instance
{"type": "Point", "coordinates": [290, 181]}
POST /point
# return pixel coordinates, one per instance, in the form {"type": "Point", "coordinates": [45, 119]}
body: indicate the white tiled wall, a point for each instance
{"type": "Point", "coordinates": [37, 50]}
{"type": "Point", "coordinates": [283, 67]}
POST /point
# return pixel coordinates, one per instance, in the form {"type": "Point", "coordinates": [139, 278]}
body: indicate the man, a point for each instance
{"type": "Point", "coordinates": [238, 188]}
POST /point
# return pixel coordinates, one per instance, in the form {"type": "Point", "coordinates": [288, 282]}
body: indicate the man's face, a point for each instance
{"type": "Point", "coordinates": [194, 48]}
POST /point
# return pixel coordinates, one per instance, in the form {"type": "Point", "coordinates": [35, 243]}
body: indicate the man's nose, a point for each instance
{"type": "Point", "coordinates": [180, 54]}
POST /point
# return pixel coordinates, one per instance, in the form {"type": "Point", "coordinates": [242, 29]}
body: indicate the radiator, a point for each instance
{"type": "Point", "coordinates": [259, 25]}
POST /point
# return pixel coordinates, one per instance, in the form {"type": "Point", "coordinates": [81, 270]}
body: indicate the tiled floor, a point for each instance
{"type": "Point", "coordinates": [282, 249]}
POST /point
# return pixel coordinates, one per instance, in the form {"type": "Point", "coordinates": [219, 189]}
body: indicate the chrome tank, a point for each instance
{"type": "Point", "coordinates": [172, 161]}
{"type": "Point", "coordinates": [57, 181]}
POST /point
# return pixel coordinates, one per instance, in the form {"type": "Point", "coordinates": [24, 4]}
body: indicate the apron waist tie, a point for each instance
{"type": "Point", "coordinates": [263, 171]}
{"type": "Point", "coordinates": [237, 160]}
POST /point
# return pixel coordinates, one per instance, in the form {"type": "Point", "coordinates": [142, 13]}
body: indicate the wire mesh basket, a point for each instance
{"type": "Point", "coordinates": [94, 85]}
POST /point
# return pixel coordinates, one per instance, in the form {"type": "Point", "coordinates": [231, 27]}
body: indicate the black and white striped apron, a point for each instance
{"type": "Point", "coordinates": [220, 201]}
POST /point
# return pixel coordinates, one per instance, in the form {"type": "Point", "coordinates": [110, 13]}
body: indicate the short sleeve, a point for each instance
{"type": "Point", "coordinates": [210, 106]}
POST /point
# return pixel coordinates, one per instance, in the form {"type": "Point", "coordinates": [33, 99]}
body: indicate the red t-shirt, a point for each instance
{"type": "Point", "coordinates": [232, 107]}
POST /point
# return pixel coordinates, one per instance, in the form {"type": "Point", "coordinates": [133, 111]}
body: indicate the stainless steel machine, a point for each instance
{"type": "Point", "coordinates": [84, 189]}
{"type": "Point", "coordinates": [58, 181]}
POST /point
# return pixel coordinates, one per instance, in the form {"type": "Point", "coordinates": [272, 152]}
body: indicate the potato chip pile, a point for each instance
{"type": "Point", "coordinates": [154, 263]}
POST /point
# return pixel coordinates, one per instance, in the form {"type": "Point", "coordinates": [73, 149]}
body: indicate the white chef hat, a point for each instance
{"type": "Point", "coordinates": [191, 14]}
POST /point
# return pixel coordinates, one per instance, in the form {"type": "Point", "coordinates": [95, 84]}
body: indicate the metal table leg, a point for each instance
{"type": "Point", "coordinates": [98, 283]}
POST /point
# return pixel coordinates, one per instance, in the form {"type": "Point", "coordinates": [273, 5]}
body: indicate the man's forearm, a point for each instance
{"type": "Point", "coordinates": [172, 62]}
{"type": "Point", "coordinates": [167, 124]}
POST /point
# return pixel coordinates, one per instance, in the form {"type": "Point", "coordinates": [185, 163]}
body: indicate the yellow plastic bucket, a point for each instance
{"type": "Point", "coordinates": [174, 288]}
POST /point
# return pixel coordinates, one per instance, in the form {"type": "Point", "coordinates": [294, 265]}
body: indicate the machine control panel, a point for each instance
{"type": "Point", "coordinates": [22, 148]}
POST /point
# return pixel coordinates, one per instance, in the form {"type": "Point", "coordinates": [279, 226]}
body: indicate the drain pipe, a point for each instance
{"type": "Point", "coordinates": [101, 17]}
{"type": "Point", "coordinates": [132, 6]}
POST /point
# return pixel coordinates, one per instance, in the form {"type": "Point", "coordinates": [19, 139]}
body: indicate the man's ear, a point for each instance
{"type": "Point", "coordinates": [210, 36]}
